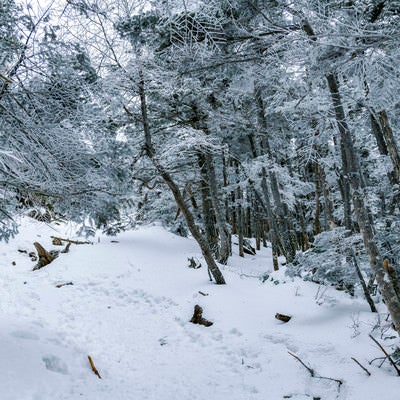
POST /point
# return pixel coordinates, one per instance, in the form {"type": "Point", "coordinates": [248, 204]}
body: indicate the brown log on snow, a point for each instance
{"type": "Point", "coordinates": [45, 257]}
{"type": "Point", "coordinates": [94, 369]}
{"type": "Point", "coordinates": [282, 317]}
{"type": "Point", "coordinates": [198, 317]}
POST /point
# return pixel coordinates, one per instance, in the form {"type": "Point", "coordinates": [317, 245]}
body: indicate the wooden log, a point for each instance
{"type": "Point", "coordinates": [45, 257]}
{"type": "Point", "coordinates": [282, 317]}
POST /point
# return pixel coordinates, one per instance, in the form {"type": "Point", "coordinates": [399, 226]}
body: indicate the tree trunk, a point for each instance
{"type": "Point", "coordinates": [194, 230]}
{"type": "Point", "coordinates": [208, 212]}
{"type": "Point", "coordinates": [386, 287]}
{"type": "Point", "coordinates": [379, 124]}
{"type": "Point", "coordinates": [328, 209]}
{"type": "Point", "coordinates": [391, 144]}
{"type": "Point", "coordinates": [288, 247]}
{"type": "Point", "coordinates": [317, 223]}
{"type": "Point", "coordinates": [224, 234]}
{"type": "Point", "coordinates": [239, 212]}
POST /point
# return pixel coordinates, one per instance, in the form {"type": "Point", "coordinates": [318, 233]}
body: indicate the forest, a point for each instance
{"type": "Point", "coordinates": [239, 123]}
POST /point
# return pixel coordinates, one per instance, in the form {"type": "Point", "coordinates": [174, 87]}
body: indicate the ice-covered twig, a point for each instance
{"type": "Point", "coordinates": [361, 366]}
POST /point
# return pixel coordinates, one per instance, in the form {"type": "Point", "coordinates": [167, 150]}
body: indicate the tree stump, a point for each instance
{"type": "Point", "coordinates": [45, 257]}
{"type": "Point", "coordinates": [198, 317]}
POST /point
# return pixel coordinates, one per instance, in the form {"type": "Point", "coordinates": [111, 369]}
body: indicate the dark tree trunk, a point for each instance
{"type": "Point", "coordinates": [391, 144]}
{"type": "Point", "coordinates": [282, 221]}
{"type": "Point", "coordinates": [386, 287]}
{"type": "Point", "coordinates": [317, 222]}
{"type": "Point", "coordinates": [329, 221]}
{"type": "Point", "coordinates": [224, 234]}
{"type": "Point", "coordinates": [194, 230]}
{"type": "Point", "coordinates": [208, 212]}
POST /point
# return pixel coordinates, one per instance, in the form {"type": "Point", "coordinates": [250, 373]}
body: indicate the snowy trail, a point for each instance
{"type": "Point", "coordinates": [129, 308]}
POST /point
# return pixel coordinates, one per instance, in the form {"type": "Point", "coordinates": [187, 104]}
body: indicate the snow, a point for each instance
{"type": "Point", "coordinates": [129, 309]}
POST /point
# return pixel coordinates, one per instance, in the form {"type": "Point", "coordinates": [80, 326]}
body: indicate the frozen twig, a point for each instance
{"type": "Point", "coordinates": [309, 369]}
{"type": "Point", "coordinates": [312, 372]}
{"type": "Point", "coordinates": [387, 355]}
{"type": "Point", "coordinates": [361, 366]}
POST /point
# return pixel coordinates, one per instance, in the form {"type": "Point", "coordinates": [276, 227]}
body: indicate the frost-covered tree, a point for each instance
{"type": "Point", "coordinates": [53, 133]}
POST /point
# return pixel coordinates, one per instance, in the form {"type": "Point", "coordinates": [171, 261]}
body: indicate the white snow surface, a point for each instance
{"type": "Point", "coordinates": [129, 308]}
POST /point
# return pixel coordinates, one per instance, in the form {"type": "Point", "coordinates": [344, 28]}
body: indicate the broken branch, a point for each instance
{"type": "Point", "coordinates": [361, 366]}
{"type": "Point", "coordinates": [69, 240]}
{"type": "Point", "coordinates": [66, 249]}
{"type": "Point", "coordinates": [94, 369]}
{"type": "Point", "coordinates": [312, 372]}
{"type": "Point", "coordinates": [63, 284]}
{"type": "Point", "coordinates": [387, 355]}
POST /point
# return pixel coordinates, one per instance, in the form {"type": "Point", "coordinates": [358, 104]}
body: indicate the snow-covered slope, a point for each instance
{"type": "Point", "coordinates": [129, 309]}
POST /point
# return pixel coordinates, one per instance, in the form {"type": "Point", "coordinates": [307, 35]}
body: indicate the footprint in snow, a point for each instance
{"type": "Point", "coordinates": [55, 364]}
{"type": "Point", "coordinates": [24, 335]}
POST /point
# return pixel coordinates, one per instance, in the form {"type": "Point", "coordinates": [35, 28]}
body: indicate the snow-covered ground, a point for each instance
{"type": "Point", "coordinates": [129, 309]}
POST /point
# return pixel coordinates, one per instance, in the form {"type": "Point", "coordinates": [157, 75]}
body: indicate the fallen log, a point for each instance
{"type": "Point", "coordinates": [282, 317]}
{"type": "Point", "coordinates": [45, 257]}
{"type": "Point", "coordinates": [60, 240]}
